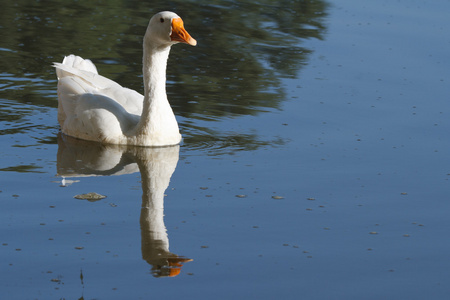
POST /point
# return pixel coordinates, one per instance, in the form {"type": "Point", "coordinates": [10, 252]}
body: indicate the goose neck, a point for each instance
{"type": "Point", "coordinates": [154, 71]}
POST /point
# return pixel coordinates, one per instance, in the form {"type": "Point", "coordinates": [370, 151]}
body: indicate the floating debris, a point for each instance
{"type": "Point", "coordinates": [406, 235]}
{"type": "Point", "coordinates": [373, 232]}
{"type": "Point", "coordinates": [277, 197]}
{"type": "Point", "coordinates": [241, 196]}
{"type": "Point", "coordinates": [66, 182]}
{"type": "Point", "coordinates": [79, 248]}
{"type": "Point", "coordinates": [311, 199]}
{"type": "Point", "coordinates": [90, 196]}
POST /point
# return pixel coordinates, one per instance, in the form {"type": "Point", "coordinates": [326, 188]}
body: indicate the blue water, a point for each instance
{"type": "Point", "coordinates": [322, 176]}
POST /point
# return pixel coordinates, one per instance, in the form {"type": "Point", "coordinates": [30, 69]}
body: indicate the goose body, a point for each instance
{"type": "Point", "coordinates": [93, 107]}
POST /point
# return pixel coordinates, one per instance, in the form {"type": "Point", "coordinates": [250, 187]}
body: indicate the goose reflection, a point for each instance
{"type": "Point", "coordinates": [77, 158]}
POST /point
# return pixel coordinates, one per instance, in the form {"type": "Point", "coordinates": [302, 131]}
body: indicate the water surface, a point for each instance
{"type": "Point", "coordinates": [314, 161]}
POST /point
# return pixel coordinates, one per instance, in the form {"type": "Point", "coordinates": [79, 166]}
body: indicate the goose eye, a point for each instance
{"type": "Point", "coordinates": [161, 20]}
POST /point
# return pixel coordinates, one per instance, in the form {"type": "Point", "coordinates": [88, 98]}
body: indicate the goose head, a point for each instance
{"type": "Point", "coordinates": [165, 29]}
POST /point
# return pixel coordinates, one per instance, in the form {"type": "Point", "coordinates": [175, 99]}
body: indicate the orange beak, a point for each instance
{"type": "Point", "coordinates": [179, 34]}
{"type": "Point", "coordinates": [176, 263]}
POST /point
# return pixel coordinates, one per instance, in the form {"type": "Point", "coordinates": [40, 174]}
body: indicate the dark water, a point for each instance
{"type": "Point", "coordinates": [314, 163]}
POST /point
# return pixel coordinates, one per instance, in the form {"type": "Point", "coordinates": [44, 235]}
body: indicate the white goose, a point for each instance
{"type": "Point", "coordinates": [93, 107]}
